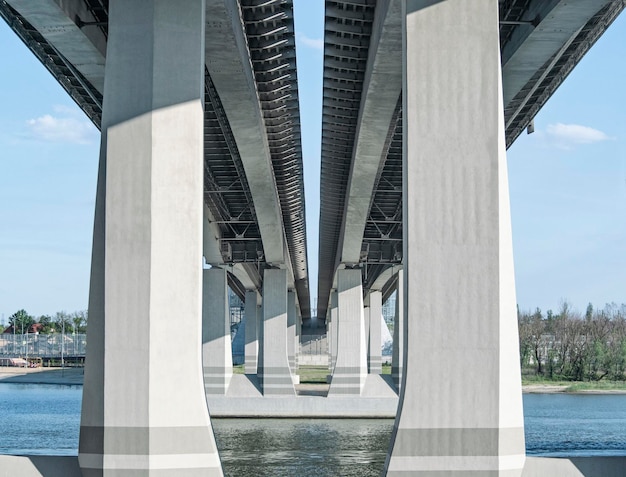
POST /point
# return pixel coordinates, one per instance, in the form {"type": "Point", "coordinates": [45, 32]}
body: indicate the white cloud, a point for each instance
{"type": "Point", "coordinates": [315, 43]}
{"type": "Point", "coordinates": [67, 127]}
{"type": "Point", "coordinates": [567, 135]}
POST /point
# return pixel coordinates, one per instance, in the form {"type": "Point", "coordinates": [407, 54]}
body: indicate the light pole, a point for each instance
{"type": "Point", "coordinates": [62, 342]}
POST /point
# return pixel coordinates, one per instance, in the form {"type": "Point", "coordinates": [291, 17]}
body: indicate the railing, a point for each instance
{"type": "Point", "coordinates": [34, 345]}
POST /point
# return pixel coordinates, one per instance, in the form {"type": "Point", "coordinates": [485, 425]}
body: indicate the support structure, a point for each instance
{"type": "Point", "coordinates": [351, 368]}
{"type": "Point", "coordinates": [291, 330]}
{"type": "Point", "coordinates": [460, 410]}
{"type": "Point", "coordinates": [334, 320]}
{"type": "Point", "coordinates": [399, 331]}
{"type": "Point", "coordinates": [274, 372]}
{"type": "Point", "coordinates": [144, 410]}
{"type": "Point", "coordinates": [217, 356]}
{"type": "Point", "coordinates": [251, 330]}
{"type": "Point", "coordinates": [374, 357]}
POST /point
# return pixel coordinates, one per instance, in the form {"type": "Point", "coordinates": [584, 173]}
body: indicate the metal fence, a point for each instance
{"type": "Point", "coordinates": [33, 345]}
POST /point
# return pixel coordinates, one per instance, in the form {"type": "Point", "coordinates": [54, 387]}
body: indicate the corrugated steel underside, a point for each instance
{"type": "Point", "coordinates": [271, 44]}
{"type": "Point", "coordinates": [348, 26]}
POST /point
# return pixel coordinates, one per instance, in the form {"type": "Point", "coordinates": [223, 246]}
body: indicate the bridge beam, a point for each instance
{"type": "Point", "coordinates": [460, 410]}
{"type": "Point", "coordinates": [144, 410]}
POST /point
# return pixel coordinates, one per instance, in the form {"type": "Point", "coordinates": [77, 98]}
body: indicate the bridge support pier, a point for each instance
{"type": "Point", "coordinates": [291, 333]}
{"type": "Point", "coordinates": [399, 328]}
{"type": "Point", "coordinates": [333, 328]}
{"type": "Point", "coordinates": [350, 371]}
{"type": "Point", "coordinates": [460, 410]}
{"type": "Point", "coordinates": [252, 326]}
{"type": "Point", "coordinates": [144, 410]}
{"type": "Point", "coordinates": [274, 371]}
{"type": "Point", "coordinates": [217, 357]}
{"type": "Point", "coordinates": [374, 359]}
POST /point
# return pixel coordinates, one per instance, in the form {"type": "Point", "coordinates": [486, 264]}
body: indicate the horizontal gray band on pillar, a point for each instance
{"type": "Point", "coordinates": [195, 472]}
{"type": "Point", "coordinates": [353, 390]}
{"type": "Point", "coordinates": [210, 380]}
{"type": "Point", "coordinates": [459, 442]}
{"type": "Point", "coordinates": [145, 440]}
{"type": "Point", "coordinates": [277, 380]}
{"type": "Point", "coordinates": [252, 357]}
{"type": "Point", "coordinates": [215, 369]}
{"type": "Point", "coordinates": [349, 370]}
{"type": "Point", "coordinates": [343, 379]}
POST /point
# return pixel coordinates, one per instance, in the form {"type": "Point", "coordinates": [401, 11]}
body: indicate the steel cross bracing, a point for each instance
{"type": "Point", "coordinates": [348, 26]}
{"type": "Point", "coordinates": [269, 33]}
{"type": "Point", "coordinates": [88, 98]}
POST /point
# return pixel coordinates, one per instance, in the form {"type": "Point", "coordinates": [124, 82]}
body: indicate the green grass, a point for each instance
{"type": "Point", "coordinates": [313, 374]}
{"type": "Point", "coordinates": [575, 386]}
{"type": "Point", "coordinates": [596, 386]}
{"type": "Point", "coordinates": [310, 374]}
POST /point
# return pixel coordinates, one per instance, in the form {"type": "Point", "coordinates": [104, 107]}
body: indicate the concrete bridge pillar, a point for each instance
{"type": "Point", "coordinates": [460, 410]}
{"type": "Point", "coordinates": [144, 410]}
{"type": "Point", "coordinates": [397, 353]}
{"type": "Point", "coordinates": [217, 357]}
{"type": "Point", "coordinates": [374, 358]}
{"type": "Point", "coordinates": [251, 330]}
{"type": "Point", "coordinates": [274, 371]}
{"type": "Point", "coordinates": [334, 319]}
{"type": "Point", "coordinates": [291, 330]}
{"type": "Point", "coordinates": [366, 327]}
{"type": "Point", "coordinates": [350, 371]}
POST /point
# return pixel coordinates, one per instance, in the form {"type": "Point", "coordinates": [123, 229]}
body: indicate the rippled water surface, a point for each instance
{"type": "Point", "coordinates": [44, 419]}
{"type": "Point", "coordinates": [39, 419]}
{"type": "Point", "coordinates": [575, 424]}
{"type": "Point", "coordinates": [303, 447]}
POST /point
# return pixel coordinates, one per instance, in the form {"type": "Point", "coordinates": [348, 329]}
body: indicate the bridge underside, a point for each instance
{"type": "Point", "coordinates": [190, 169]}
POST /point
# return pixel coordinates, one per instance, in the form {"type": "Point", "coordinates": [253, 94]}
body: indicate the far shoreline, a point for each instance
{"type": "Point", "coordinates": [74, 376]}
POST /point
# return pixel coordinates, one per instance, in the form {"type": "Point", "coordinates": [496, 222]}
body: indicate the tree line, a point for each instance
{"type": "Point", "coordinates": [572, 346]}
{"type": "Point", "coordinates": [75, 322]}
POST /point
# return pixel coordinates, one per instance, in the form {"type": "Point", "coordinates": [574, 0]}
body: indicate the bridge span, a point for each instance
{"type": "Point", "coordinates": [201, 162]}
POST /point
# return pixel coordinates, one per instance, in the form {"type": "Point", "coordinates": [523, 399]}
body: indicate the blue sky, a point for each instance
{"type": "Point", "coordinates": [567, 181]}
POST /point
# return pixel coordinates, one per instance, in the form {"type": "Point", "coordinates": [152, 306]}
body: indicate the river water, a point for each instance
{"type": "Point", "coordinates": [44, 419]}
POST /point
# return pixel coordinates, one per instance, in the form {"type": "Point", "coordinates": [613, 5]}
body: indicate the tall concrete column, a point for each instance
{"type": "Point", "coordinates": [291, 330]}
{"type": "Point", "coordinates": [366, 327]}
{"type": "Point", "coordinates": [251, 330]}
{"type": "Point", "coordinates": [217, 355]}
{"type": "Point", "coordinates": [274, 373]}
{"type": "Point", "coordinates": [144, 410]}
{"type": "Point", "coordinates": [351, 368]}
{"type": "Point", "coordinates": [399, 327]}
{"type": "Point", "coordinates": [334, 320]}
{"type": "Point", "coordinates": [375, 346]}
{"type": "Point", "coordinates": [298, 339]}
{"type": "Point", "coordinates": [460, 410]}
{"type": "Point", "coordinates": [261, 335]}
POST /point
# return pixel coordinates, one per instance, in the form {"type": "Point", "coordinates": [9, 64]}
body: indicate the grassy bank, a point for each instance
{"type": "Point", "coordinates": [576, 386]}
{"type": "Point", "coordinates": [310, 374]}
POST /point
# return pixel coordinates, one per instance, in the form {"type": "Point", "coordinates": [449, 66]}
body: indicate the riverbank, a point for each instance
{"type": "Point", "coordinates": [310, 386]}
{"type": "Point", "coordinates": [61, 376]}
